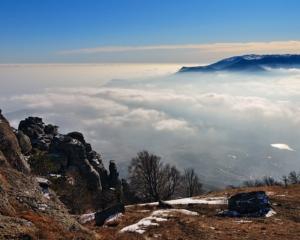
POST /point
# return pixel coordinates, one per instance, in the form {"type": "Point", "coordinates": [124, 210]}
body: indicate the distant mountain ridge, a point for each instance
{"type": "Point", "coordinates": [250, 63]}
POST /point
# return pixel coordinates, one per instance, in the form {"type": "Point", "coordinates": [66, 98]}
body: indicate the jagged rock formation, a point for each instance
{"type": "Point", "coordinates": [27, 211]}
{"type": "Point", "coordinates": [84, 182]}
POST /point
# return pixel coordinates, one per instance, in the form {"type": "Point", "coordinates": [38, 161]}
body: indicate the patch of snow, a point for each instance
{"type": "Point", "coordinates": [282, 146]}
{"type": "Point", "coordinates": [42, 206]}
{"type": "Point", "coordinates": [141, 226]}
{"type": "Point", "coordinates": [270, 213]}
{"type": "Point", "coordinates": [84, 218]}
{"type": "Point", "coordinates": [212, 200]}
{"type": "Point", "coordinates": [96, 161]}
{"type": "Point", "coordinates": [252, 57]}
{"type": "Point", "coordinates": [55, 175]}
{"type": "Point", "coordinates": [156, 216]}
{"type": "Point", "coordinates": [269, 193]}
{"type": "Point", "coordinates": [143, 211]}
{"type": "Point", "coordinates": [47, 195]}
{"type": "Point", "coordinates": [42, 180]}
{"type": "Point", "coordinates": [113, 218]}
{"type": "Point", "coordinates": [75, 141]}
{"type": "Point", "coordinates": [243, 221]}
{"type": "Point", "coordinates": [185, 201]}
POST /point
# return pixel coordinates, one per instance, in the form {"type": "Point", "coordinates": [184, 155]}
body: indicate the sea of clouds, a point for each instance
{"type": "Point", "coordinates": [228, 127]}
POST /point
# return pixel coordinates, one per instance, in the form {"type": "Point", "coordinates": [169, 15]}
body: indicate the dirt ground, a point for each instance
{"type": "Point", "coordinates": [285, 224]}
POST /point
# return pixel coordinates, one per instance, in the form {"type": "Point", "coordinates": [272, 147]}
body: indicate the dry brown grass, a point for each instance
{"type": "Point", "coordinates": [284, 225]}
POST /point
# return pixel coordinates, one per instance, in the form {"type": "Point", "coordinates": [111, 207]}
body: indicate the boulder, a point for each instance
{"type": "Point", "coordinates": [40, 134]}
{"type": "Point", "coordinates": [77, 135]}
{"type": "Point", "coordinates": [102, 216]}
{"type": "Point", "coordinates": [164, 205]}
{"type": "Point", "coordinates": [249, 204]}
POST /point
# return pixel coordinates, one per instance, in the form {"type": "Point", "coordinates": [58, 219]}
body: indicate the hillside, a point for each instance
{"type": "Point", "coordinates": [248, 63]}
{"type": "Point", "coordinates": [201, 222]}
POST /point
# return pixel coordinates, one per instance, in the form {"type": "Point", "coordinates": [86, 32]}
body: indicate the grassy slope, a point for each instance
{"type": "Point", "coordinates": [284, 225]}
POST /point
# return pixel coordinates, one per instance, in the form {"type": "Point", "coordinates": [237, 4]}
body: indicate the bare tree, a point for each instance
{"type": "Point", "coordinates": [151, 179]}
{"type": "Point", "coordinates": [270, 181]}
{"type": "Point", "coordinates": [294, 178]}
{"type": "Point", "coordinates": [191, 183]}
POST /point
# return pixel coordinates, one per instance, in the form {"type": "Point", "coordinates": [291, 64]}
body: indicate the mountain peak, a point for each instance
{"type": "Point", "coordinates": [249, 63]}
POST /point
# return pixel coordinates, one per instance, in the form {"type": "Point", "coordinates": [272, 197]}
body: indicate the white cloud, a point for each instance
{"type": "Point", "coordinates": [282, 146]}
{"type": "Point", "coordinates": [277, 46]}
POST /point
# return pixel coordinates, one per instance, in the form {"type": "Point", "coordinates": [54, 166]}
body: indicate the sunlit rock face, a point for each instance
{"type": "Point", "coordinates": [10, 151]}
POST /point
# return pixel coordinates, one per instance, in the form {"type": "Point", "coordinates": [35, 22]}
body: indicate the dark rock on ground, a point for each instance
{"type": "Point", "coordinates": [164, 205]}
{"type": "Point", "coordinates": [101, 216]}
{"type": "Point", "coordinates": [250, 204]}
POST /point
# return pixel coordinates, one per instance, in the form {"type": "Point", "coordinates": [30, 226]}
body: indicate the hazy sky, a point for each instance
{"type": "Point", "coordinates": [35, 31]}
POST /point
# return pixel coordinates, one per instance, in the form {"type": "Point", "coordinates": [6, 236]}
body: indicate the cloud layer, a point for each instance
{"type": "Point", "coordinates": [222, 125]}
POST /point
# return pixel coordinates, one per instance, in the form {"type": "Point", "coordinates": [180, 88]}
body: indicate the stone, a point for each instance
{"type": "Point", "coordinates": [51, 129]}
{"type": "Point", "coordinates": [77, 135]}
{"type": "Point", "coordinates": [248, 204]}
{"type": "Point", "coordinates": [101, 216]}
{"type": "Point", "coordinates": [113, 174]}
{"type": "Point", "coordinates": [164, 205]}
{"type": "Point", "coordinates": [24, 142]}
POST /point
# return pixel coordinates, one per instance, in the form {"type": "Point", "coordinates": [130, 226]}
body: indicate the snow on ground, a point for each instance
{"type": "Point", "coordinates": [42, 180]}
{"type": "Point", "coordinates": [184, 201]}
{"type": "Point", "coordinates": [154, 219]}
{"type": "Point", "coordinates": [243, 221]}
{"type": "Point", "coordinates": [113, 219]}
{"type": "Point", "coordinates": [55, 175]}
{"type": "Point", "coordinates": [270, 213]}
{"type": "Point", "coordinates": [84, 218]}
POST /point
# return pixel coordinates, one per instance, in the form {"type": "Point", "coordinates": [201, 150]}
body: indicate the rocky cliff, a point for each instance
{"type": "Point", "coordinates": [75, 169]}
{"type": "Point", "coordinates": [29, 209]}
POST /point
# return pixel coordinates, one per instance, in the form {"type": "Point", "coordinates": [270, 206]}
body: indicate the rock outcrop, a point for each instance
{"type": "Point", "coordinates": [72, 150]}
{"type": "Point", "coordinates": [71, 156]}
{"type": "Point", "coordinates": [29, 209]}
{"type": "Point", "coordinates": [10, 151]}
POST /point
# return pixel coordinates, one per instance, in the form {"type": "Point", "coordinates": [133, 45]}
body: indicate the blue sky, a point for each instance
{"type": "Point", "coordinates": [40, 31]}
